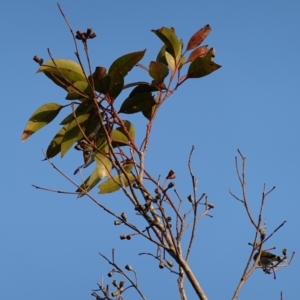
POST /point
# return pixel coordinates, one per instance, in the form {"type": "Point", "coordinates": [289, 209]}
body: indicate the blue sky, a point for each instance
{"type": "Point", "coordinates": [50, 242]}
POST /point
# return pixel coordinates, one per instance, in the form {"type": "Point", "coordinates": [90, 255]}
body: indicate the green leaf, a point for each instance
{"type": "Point", "coordinates": [119, 136]}
{"type": "Point", "coordinates": [144, 87]}
{"type": "Point", "coordinates": [104, 165]}
{"type": "Point", "coordinates": [149, 113]}
{"type": "Point", "coordinates": [171, 61]}
{"type": "Point", "coordinates": [65, 72]}
{"type": "Point", "coordinates": [41, 117]}
{"type": "Point", "coordinates": [198, 37]}
{"type": "Point", "coordinates": [161, 86]}
{"type": "Point", "coordinates": [113, 184]}
{"type": "Point", "coordinates": [126, 62]}
{"type": "Point", "coordinates": [137, 103]}
{"type": "Point", "coordinates": [73, 133]}
{"type": "Point", "coordinates": [202, 66]}
{"type": "Point", "coordinates": [128, 167]}
{"type": "Point", "coordinates": [67, 119]}
{"type": "Point", "coordinates": [158, 71]}
{"type": "Point", "coordinates": [116, 84]}
{"type": "Point", "coordinates": [102, 86]}
{"type": "Point", "coordinates": [101, 141]}
{"type": "Point", "coordinates": [80, 109]}
{"type": "Point", "coordinates": [112, 84]}
{"type": "Point", "coordinates": [161, 56]}
{"type": "Point", "coordinates": [169, 38]}
{"type": "Point", "coordinates": [98, 76]}
{"type": "Point", "coordinates": [55, 145]}
{"type": "Point", "coordinates": [89, 183]}
{"type": "Point", "coordinates": [92, 126]}
{"type": "Point", "coordinates": [84, 89]}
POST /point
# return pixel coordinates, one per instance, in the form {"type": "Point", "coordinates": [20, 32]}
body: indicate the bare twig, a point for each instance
{"type": "Point", "coordinates": [159, 259]}
{"type": "Point", "coordinates": [120, 271]}
{"type": "Point", "coordinates": [274, 231]}
{"type": "Point", "coordinates": [260, 235]}
{"type": "Point", "coordinates": [195, 206]}
{"type": "Point", "coordinates": [54, 191]}
{"type": "Point", "coordinates": [76, 47]}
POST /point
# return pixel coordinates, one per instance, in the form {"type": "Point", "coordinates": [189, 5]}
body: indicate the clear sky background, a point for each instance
{"type": "Point", "coordinates": [50, 242]}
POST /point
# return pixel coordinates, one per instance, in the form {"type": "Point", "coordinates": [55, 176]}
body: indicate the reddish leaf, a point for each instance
{"type": "Point", "coordinates": [198, 37]}
{"type": "Point", "coordinates": [199, 52]}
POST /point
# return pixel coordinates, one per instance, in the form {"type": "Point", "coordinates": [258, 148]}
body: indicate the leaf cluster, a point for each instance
{"type": "Point", "coordinates": [95, 124]}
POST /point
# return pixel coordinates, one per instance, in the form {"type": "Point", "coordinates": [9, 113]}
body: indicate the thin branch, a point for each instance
{"type": "Point", "coordinates": [234, 196]}
{"type": "Point", "coordinates": [195, 206]}
{"type": "Point", "coordinates": [76, 47]}
{"type": "Point", "coordinates": [156, 257]}
{"type": "Point", "coordinates": [259, 232]}
{"type": "Point", "coordinates": [54, 191]}
{"type": "Point", "coordinates": [135, 285]}
{"type": "Point", "coordinates": [179, 225]}
{"type": "Point", "coordinates": [241, 177]}
{"type": "Point", "coordinates": [104, 207]}
{"type": "Point", "coordinates": [274, 231]}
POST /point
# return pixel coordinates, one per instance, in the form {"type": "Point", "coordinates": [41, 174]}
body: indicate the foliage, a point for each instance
{"type": "Point", "coordinates": [107, 140]}
{"type": "Point", "coordinates": [94, 124]}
